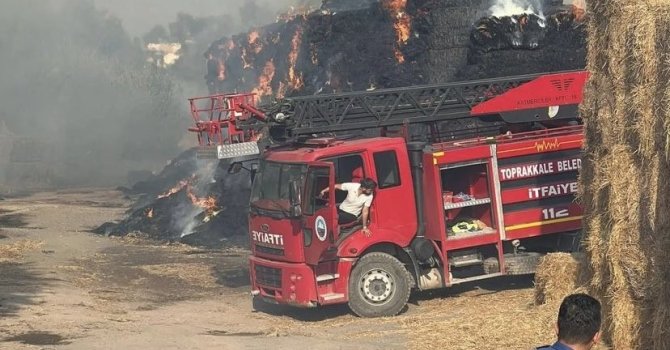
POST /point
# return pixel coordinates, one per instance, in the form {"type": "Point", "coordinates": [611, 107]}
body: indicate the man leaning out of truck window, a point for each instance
{"type": "Point", "coordinates": [358, 201]}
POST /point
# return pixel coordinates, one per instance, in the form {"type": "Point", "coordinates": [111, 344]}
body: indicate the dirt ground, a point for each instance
{"type": "Point", "coordinates": [62, 287]}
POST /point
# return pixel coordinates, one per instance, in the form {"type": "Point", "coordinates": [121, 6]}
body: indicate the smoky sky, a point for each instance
{"type": "Point", "coordinates": [82, 105]}
{"type": "Point", "coordinates": [139, 16]}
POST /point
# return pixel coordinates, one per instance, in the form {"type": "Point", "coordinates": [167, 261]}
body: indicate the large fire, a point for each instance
{"type": "Point", "coordinates": [264, 87]}
{"type": "Point", "coordinates": [402, 23]}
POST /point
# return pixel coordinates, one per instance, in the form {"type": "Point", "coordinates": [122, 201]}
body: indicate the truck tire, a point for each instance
{"type": "Point", "coordinates": [519, 264]}
{"type": "Point", "coordinates": [379, 286]}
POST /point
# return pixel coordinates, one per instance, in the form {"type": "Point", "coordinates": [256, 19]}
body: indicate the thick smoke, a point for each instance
{"type": "Point", "coordinates": [81, 104]}
{"type": "Point", "coordinates": [140, 16]}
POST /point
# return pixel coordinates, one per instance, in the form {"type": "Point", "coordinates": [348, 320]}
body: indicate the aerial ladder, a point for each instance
{"type": "Point", "coordinates": [231, 127]}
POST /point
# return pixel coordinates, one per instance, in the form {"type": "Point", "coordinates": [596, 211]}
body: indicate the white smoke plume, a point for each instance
{"type": "Point", "coordinates": [503, 8]}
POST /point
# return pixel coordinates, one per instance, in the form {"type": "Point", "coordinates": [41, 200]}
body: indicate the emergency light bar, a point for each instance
{"type": "Point", "coordinates": [236, 150]}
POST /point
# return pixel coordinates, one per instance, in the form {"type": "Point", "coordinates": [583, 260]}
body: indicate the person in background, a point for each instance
{"type": "Point", "coordinates": [578, 326]}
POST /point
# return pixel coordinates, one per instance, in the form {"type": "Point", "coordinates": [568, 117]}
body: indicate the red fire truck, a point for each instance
{"type": "Point", "coordinates": [475, 180]}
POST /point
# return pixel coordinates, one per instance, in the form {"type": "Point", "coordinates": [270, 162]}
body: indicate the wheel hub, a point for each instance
{"type": "Point", "coordinates": [377, 286]}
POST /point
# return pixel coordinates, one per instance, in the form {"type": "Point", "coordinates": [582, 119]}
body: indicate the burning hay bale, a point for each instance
{"type": "Point", "coordinates": [320, 51]}
{"type": "Point", "coordinates": [557, 276]}
{"type": "Point", "coordinates": [389, 43]}
{"type": "Point", "coordinates": [509, 32]}
{"type": "Point", "coordinates": [501, 46]}
{"type": "Point", "coordinates": [624, 179]}
{"type": "Point", "coordinates": [525, 31]}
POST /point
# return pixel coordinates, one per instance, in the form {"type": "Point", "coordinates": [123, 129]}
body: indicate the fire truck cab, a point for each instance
{"type": "Point", "coordinates": [469, 187]}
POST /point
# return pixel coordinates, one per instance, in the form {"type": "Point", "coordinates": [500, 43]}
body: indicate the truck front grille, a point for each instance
{"type": "Point", "coordinates": [268, 250]}
{"type": "Point", "coordinates": [268, 276]}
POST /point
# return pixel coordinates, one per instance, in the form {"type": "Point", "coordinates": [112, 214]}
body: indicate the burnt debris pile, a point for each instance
{"type": "Point", "coordinates": [190, 201]}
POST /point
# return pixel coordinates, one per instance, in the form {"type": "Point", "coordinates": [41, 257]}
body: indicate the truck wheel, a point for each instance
{"type": "Point", "coordinates": [379, 286]}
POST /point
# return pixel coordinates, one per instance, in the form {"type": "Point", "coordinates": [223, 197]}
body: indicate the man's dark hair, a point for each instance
{"type": "Point", "coordinates": [368, 184]}
{"type": "Point", "coordinates": [579, 319]}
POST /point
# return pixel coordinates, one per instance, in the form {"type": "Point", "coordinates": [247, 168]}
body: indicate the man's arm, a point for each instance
{"type": "Point", "coordinates": [366, 213]}
{"type": "Point", "coordinates": [337, 187]}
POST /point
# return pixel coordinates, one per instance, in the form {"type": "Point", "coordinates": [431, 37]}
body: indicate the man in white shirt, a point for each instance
{"type": "Point", "coordinates": [359, 199]}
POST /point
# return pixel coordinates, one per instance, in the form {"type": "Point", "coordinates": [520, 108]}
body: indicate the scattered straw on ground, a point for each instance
{"type": "Point", "coordinates": [193, 273]}
{"type": "Point", "coordinates": [15, 251]}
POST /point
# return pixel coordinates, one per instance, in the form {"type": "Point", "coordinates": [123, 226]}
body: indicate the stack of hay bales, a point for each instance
{"type": "Point", "coordinates": [559, 275]}
{"type": "Point", "coordinates": [625, 179]}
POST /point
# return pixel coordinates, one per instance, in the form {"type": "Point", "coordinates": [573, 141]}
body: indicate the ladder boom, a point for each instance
{"type": "Point", "coordinates": [398, 106]}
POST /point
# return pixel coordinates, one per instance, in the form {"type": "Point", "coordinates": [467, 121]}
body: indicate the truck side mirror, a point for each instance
{"type": "Point", "coordinates": [253, 171]}
{"type": "Point", "coordinates": [294, 198]}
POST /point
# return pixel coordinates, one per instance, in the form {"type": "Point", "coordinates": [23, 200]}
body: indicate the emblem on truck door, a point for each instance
{"type": "Point", "coordinates": [320, 228]}
{"type": "Point", "coordinates": [265, 228]}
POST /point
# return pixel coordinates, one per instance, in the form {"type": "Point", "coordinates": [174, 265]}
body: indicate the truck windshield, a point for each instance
{"type": "Point", "coordinates": [270, 190]}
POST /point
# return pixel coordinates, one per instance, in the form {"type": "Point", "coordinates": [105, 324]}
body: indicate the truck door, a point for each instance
{"type": "Point", "coordinates": [319, 214]}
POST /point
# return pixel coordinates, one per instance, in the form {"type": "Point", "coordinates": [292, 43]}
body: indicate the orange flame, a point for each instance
{"type": "Point", "coordinates": [175, 189]}
{"type": "Point", "coordinates": [245, 61]}
{"type": "Point", "coordinates": [281, 90]}
{"type": "Point", "coordinates": [222, 70]}
{"type": "Point", "coordinates": [207, 203]}
{"type": "Point", "coordinates": [253, 36]}
{"type": "Point", "coordinates": [254, 42]}
{"type": "Point", "coordinates": [295, 79]}
{"type": "Point", "coordinates": [579, 9]}
{"type": "Point", "coordinates": [264, 87]}
{"type": "Point", "coordinates": [227, 48]}
{"type": "Point", "coordinates": [402, 23]}
{"type": "Point", "coordinates": [399, 57]}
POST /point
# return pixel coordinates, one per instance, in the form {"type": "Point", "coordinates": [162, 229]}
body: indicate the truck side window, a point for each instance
{"type": "Point", "coordinates": [317, 179]}
{"type": "Point", "coordinates": [386, 164]}
{"type": "Point", "coordinates": [348, 168]}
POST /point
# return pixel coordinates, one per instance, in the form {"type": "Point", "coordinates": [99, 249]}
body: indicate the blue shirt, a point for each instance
{"type": "Point", "coordinates": [555, 346]}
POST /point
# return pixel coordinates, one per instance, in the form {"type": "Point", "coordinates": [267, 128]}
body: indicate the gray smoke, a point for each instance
{"type": "Point", "coordinates": [81, 104]}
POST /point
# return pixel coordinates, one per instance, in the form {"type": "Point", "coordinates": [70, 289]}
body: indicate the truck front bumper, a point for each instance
{"type": "Point", "coordinates": [283, 283]}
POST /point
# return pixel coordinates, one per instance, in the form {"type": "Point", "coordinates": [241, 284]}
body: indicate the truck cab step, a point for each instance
{"type": "Point", "coordinates": [332, 296]}
{"type": "Point", "coordinates": [327, 277]}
